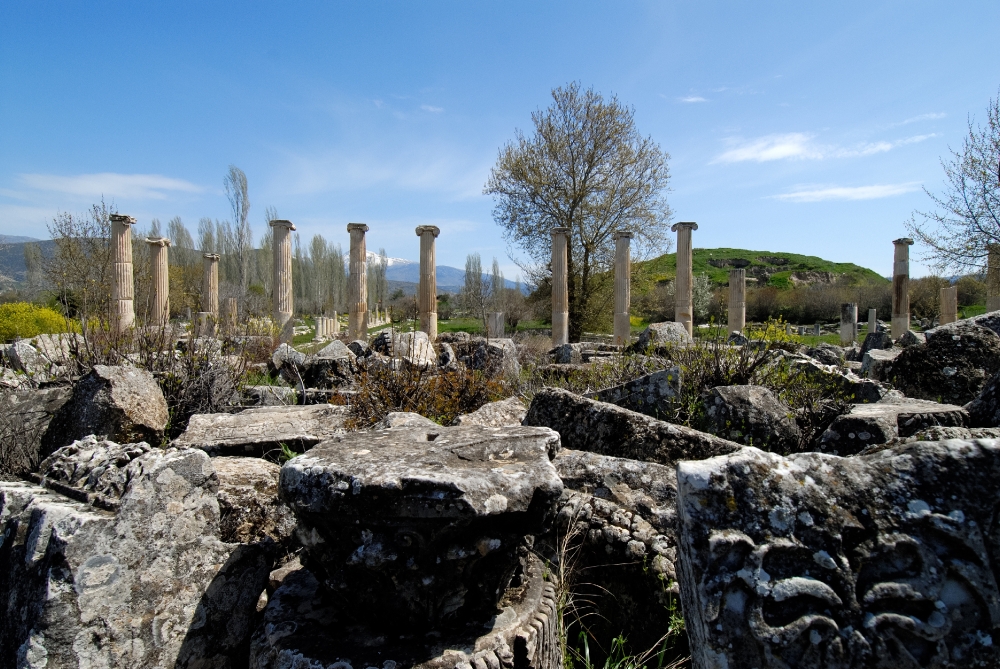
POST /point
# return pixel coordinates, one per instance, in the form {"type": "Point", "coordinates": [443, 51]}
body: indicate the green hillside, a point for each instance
{"type": "Point", "coordinates": [782, 270]}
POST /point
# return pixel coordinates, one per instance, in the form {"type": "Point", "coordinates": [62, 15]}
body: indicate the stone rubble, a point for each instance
{"type": "Point", "coordinates": [258, 431]}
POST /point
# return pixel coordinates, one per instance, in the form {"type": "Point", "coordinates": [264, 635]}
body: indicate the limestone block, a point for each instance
{"type": "Point", "coordinates": [857, 388]}
{"type": "Point", "coordinates": [567, 354]}
{"type": "Point", "coordinates": [753, 416]}
{"type": "Point", "coordinates": [249, 506]}
{"type": "Point", "coordinates": [25, 358]}
{"type": "Point", "coordinates": [431, 520]}
{"type": "Point", "coordinates": [814, 560]}
{"type": "Point", "coordinates": [335, 349]}
{"type": "Point", "coordinates": [984, 410]}
{"type": "Point", "coordinates": [911, 338]}
{"type": "Point", "coordinates": [359, 348]}
{"type": "Point", "coordinates": [661, 334]}
{"type": "Point", "coordinates": [413, 347]}
{"type": "Point", "coordinates": [952, 366]}
{"type": "Point", "coordinates": [877, 363]}
{"type": "Point", "coordinates": [124, 404]}
{"type": "Point", "coordinates": [879, 423]}
{"type": "Point", "coordinates": [147, 584]}
{"type": "Point", "coordinates": [257, 431]}
{"type": "Point", "coordinates": [504, 413]}
{"type": "Point", "coordinates": [876, 340]}
{"type": "Point", "coordinates": [828, 354]}
{"type": "Point", "coordinates": [24, 417]}
{"type": "Point", "coordinates": [652, 394]}
{"type": "Point", "coordinates": [447, 360]}
{"type": "Point", "coordinates": [493, 356]}
{"type": "Point", "coordinates": [267, 396]}
{"type": "Point", "coordinates": [285, 354]}
{"type": "Point", "coordinates": [403, 419]}
{"type": "Point", "coordinates": [327, 372]}
{"type": "Point", "coordinates": [588, 425]}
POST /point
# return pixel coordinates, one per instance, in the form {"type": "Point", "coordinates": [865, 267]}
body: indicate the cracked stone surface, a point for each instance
{"type": "Point", "coordinates": [652, 394]}
{"type": "Point", "coordinates": [753, 416]}
{"type": "Point", "coordinates": [254, 432]}
{"type": "Point", "coordinates": [598, 427]}
{"type": "Point", "coordinates": [879, 423]}
{"type": "Point", "coordinates": [660, 334]}
{"type": "Point", "coordinates": [503, 413]}
{"type": "Point", "coordinates": [813, 560]}
{"type": "Point", "coordinates": [430, 519]}
{"type": "Point", "coordinates": [952, 366]}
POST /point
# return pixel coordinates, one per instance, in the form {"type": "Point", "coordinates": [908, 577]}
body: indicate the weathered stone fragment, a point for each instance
{"type": "Point", "coordinates": [403, 419]}
{"type": "Point", "coordinates": [662, 334]}
{"type": "Point", "coordinates": [268, 396]}
{"type": "Point", "coordinates": [124, 404]}
{"type": "Point", "coordinates": [431, 520]}
{"type": "Point", "coordinates": [952, 366]}
{"type": "Point", "coordinates": [250, 510]}
{"type": "Point", "coordinates": [652, 394]}
{"type": "Point", "coordinates": [984, 410]}
{"type": "Point", "coordinates": [877, 363]}
{"type": "Point", "coordinates": [813, 560]}
{"type": "Point", "coordinates": [58, 348]}
{"type": "Point", "coordinates": [413, 347]}
{"type": "Point", "coordinates": [447, 360]}
{"type": "Point", "coordinates": [753, 416]}
{"type": "Point", "coordinates": [327, 372]}
{"type": "Point", "coordinates": [828, 354]}
{"type": "Point", "coordinates": [588, 425]}
{"type": "Point", "coordinates": [149, 584]}
{"type": "Point", "coordinates": [879, 423]}
{"type": "Point", "coordinates": [911, 338]}
{"type": "Point", "coordinates": [254, 432]}
{"type": "Point", "coordinates": [24, 417]}
{"type": "Point", "coordinates": [359, 348]}
{"type": "Point", "coordinates": [567, 354]}
{"type": "Point", "coordinates": [286, 355]}
{"type": "Point", "coordinates": [504, 413]}
{"type": "Point", "coordinates": [876, 341]}
{"type": "Point", "coordinates": [937, 433]}
{"type": "Point", "coordinates": [25, 358]}
{"type": "Point", "coordinates": [849, 383]}
{"type": "Point", "coordinates": [493, 356]}
{"type": "Point", "coordinates": [335, 349]}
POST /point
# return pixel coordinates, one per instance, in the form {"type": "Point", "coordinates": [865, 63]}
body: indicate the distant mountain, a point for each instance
{"type": "Point", "coordinates": [12, 267]}
{"type": "Point", "coordinates": [17, 239]}
{"type": "Point", "coordinates": [449, 279]}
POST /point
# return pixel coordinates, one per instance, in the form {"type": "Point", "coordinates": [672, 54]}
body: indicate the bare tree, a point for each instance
{"type": "Point", "coordinates": [378, 282]}
{"type": "Point", "coordinates": [242, 236]}
{"type": "Point", "coordinates": [80, 265]}
{"type": "Point", "coordinates": [966, 220]}
{"type": "Point", "coordinates": [587, 168]}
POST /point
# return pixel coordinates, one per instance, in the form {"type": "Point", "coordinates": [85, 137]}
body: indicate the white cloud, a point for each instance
{"type": "Point", "coordinates": [110, 185]}
{"type": "Point", "coordinates": [433, 110]}
{"type": "Point", "coordinates": [917, 119]}
{"type": "Point", "coordinates": [848, 192]}
{"type": "Point", "coordinates": [800, 146]}
{"type": "Point", "coordinates": [693, 98]}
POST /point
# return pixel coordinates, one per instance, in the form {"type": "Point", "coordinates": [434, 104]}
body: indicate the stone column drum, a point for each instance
{"type": "Point", "coordinates": [123, 289]}
{"type": "Point", "coordinates": [283, 295]}
{"type": "Point", "coordinates": [683, 298]}
{"type": "Point", "coordinates": [848, 323]}
{"type": "Point", "coordinates": [737, 300]}
{"type": "Point", "coordinates": [560, 286]}
{"type": "Point", "coordinates": [623, 287]}
{"type": "Point", "coordinates": [872, 320]}
{"type": "Point", "coordinates": [232, 314]}
{"type": "Point", "coordinates": [949, 305]}
{"type": "Point", "coordinates": [494, 325]}
{"type": "Point", "coordinates": [901, 287]}
{"type": "Point", "coordinates": [993, 277]}
{"type": "Point", "coordinates": [160, 311]}
{"type": "Point", "coordinates": [427, 292]}
{"type": "Point", "coordinates": [357, 287]}
{"type": "Point", "coordinates": [210, 293]}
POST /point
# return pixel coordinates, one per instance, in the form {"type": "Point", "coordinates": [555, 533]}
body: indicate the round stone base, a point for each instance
{"type": "Point", "coordinates": [304, 628]}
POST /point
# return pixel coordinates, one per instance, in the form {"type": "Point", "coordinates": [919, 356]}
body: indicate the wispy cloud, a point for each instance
{"type": "Point", "coordinates": [110, 184]}
{"type": "Point", "coordinates": [433, 110]}
{"type": "Point", "coordinates": [693, 98]}
{"type": "Point", "coordinates": [874, 192]}
{"type": "Point", "coordinates": [801, 146]}
{"type": "Point", "coordinates": [917, 119]}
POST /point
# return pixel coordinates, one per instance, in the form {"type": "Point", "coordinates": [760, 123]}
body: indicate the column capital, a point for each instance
{"type": "Point", "coordinates": [621, 234]}
{"type": "Point", "coordinates": [162, 241]}
{"type": "Point", "coordinates": [424, 229]}
{"type": "Point", "coordinates": [351, 227]}
{"type": "Point", "coordinates": [903, 240]}
{"type": "Point", "coordinates": [123, 219]}
{"type": "Point", "coordinates": [559, 230]}
{"type": "Point", "coordinates": [691, 225]}
{"type": "Point", "coordinates": [281, 223]}
{"type": "Point", "coordinates": [214, 257]}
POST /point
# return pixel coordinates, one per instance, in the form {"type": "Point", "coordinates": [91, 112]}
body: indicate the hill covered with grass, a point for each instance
{"type": "Point", "coordinates": [774, 268]}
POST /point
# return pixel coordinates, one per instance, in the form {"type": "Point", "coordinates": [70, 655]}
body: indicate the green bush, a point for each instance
{"type": "Point", "coordinates": [25, 320]}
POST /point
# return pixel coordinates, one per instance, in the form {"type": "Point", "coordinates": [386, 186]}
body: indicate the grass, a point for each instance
{"type": "Point", "coordinates": [665, 266]}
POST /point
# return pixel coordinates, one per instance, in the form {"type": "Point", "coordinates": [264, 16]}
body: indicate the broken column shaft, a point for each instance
{"type": "Point", "coordinates": [848, 323]}
{"type": "Point", "coordinates": [737, 300]}
{"type": "Point", "coordinates": [283, 293]}
{"type": "Point", "coordinates": [560, 286]}
{"type": "Point", "coordinates": [427, 292]}
{"type": "Point", "coordinates": [123, 288]}
{"type": "Point", "coordinates": [160, 293]}
{"type": "Point", "coordinates": [683, 296]}
{"type": "Point", "coordinates": [901, 287]}
{"type": "Point", "coordinates": [623, 287]}
{"type": "Point", "coordinates": [949, 305]}
{"type": "Point", "coordinates": [357, 287]}
{"type": "Point", "coordinates": [209, 294]}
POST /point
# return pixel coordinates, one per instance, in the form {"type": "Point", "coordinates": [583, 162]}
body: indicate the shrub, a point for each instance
{"type": "Point", "coordinates": [26, 320]}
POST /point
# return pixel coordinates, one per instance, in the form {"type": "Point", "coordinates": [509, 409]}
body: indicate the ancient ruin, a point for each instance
{"type": "Point", "coordinates": [283, 296]}
{"type": "Point", "coordinates": [427, 291]}
{"type": "Point", "coordinates": [357, 320]}
{"type": "Point", "coordinates": [623, 292]}
{"type": "Point", "coordinates": [160, 308]}
{"type": "Point", "coordinates": [560, 286]}
{"type": "Point", "coordinates": [123, 286]}
{"type": "Point", "coordinates": [683, 307]}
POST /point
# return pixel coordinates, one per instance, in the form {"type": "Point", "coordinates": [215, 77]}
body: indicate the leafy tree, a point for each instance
{"type": "Point", "coordinates": [585, 167]}
{"type": "Point", "coordinates": [966, 220]}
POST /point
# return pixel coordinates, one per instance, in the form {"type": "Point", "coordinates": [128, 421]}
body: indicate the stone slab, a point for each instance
{"type": "Point", "coordinates": [880, 423]}
{"type": "Point", "coordinates": [254, 432]}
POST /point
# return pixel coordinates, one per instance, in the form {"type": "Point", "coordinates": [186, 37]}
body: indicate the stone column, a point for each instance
{"type": "Point", "coordinates": [848, 323]}
{"type": "Point", "coordinates": [427, 292]}
{"type": "Point", "coordinates": [319, 328]}
{"type": "Point", "coordinates": [283, 297]}
{"type": "Point", "coordinates": [623, 287]}
{"type": "Point", "coordinates": [357, 287]}
{"type": "Point", "coordinates": [949, 305]}
{"type": "Point", "coordinates": [683, 298]}
{"type": "Point", "coordinates": [737, 300]}
{"type": "Point", "coordinates": [872, 320]}
{"type": "Point", "coordinates": [817, 330]}
{"type": "Point", "coordinates": [210, 294]}
{"type": "Point", "coordinates": [993, 277]}
{"type": "Point", "coordinates": [560, 286]}
{"type": "Point", "coordinates": [232, 313]}
{"type": "Point", "coordinates": [494, 325]}
{"type": "Point", "coordinates": [160, 312]}
{"type": "Point", "coordinates": [123, 289]}
{"type": "Point", "coordinates": [901, 287]}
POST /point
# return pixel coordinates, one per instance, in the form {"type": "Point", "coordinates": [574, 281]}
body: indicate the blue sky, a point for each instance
{"type": "Point", "coordinates": [801, 127]}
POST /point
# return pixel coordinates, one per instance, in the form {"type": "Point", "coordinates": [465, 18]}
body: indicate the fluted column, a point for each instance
{"type": "Point", "coordinates": [623, 287]}
{"type": "Point", "coordinates": [357, 287]}
{"type": "Point", "coordinates": [210, 293]}
{"type": "Point", "coordinates": [123, 289]}
{"type": "Point", "coordinates": [737, 300]}
{"type": "Point", "coordinates": [848, 323]}
{"type": "Point", "coordinates": [427, 297]}
{"type": "Point", "coordinates": [993, 277]}
{"type": "Point", "coordinates": [560, 286]}
{"type": "Point", "coordinates": [683, 296]}
{"type": "Point", "coordinates": [872, 320]}
{"type": "Point", "coordinates": [901, 287]}
{"type": "Point", "coordinates": [232, 313]}
{"type": "Point", "coordinates": [283, 297]}
{"type": "Point", "coordinates": [949, 305]}
{"type": "Point", "coordinates": [158, 261]}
